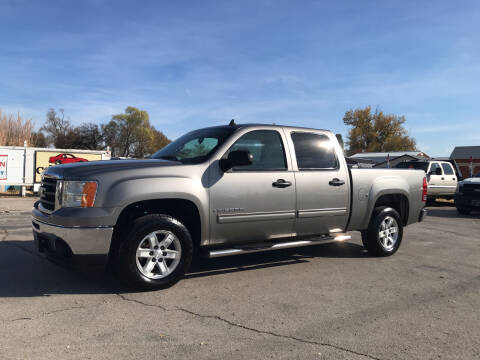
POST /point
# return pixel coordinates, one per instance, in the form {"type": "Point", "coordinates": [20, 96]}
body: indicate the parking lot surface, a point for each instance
{"type": "Point", "coordinates": [322, 302]}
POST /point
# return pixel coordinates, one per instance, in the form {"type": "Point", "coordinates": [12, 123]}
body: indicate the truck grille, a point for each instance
{"type": "Point", "coordinates": [471, 191]}
{"type": "Point", "coordinates": [48, 190]}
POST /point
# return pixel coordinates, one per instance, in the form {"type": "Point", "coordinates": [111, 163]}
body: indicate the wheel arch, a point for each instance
{"type": "Point", "coordinates": [184, 210]}
{"type": "Point", "coordinates": [397, 201]}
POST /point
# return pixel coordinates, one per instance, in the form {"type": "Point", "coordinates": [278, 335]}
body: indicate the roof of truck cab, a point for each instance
{"type": "Point", "coordinates": [238, 126]}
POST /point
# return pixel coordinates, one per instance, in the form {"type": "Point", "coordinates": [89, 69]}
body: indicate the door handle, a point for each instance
{"type": "Point", "coordinates": [336, 182]}
{"type": "Point", "coordinates": [281, 183]}
{"type": "Point", "coordinates": [443, 178]}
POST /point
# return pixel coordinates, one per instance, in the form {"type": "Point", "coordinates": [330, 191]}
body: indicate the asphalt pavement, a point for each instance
{"type": "Point", "coordinates": [323, 302]}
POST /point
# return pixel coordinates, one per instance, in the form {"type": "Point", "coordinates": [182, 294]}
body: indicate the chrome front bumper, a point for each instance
{"type": "Point", "coordinates": [80, 240]}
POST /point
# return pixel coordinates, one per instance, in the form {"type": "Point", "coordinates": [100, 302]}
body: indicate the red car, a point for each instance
{"type": "Point", "coordinates": [65, 159]}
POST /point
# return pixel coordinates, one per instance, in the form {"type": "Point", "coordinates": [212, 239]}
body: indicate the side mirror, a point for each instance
{"type": "Point", "coordinates": [236, 158]}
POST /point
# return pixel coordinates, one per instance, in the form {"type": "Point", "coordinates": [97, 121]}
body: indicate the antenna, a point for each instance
{"type": "Point", "coordinates": [232, 123]}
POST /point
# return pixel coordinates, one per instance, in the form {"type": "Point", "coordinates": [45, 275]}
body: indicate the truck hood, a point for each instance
{"type": "Point", "coordinates": [94, 169]}
{"type": "Point", "coordinates": [475, 180]}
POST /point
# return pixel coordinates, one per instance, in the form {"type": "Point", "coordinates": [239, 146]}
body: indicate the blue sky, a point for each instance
{"type": "Point", "coordinates": [199, 63]}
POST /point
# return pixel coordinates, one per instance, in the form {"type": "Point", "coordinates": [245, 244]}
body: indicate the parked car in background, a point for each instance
{"type": "Point", "coordinates": [65, 159]}
{"type": "Point", "coordinates": [467, 196]}
{"type": "Point", "coordinates": [441, 177]}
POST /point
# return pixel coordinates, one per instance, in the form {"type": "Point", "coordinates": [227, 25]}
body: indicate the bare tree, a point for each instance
{"type": "Point", "coordinates": [14, 129]}
{"type": "Point", "coordinates": [86, 136]}
{"type": "Point", "coordinates": [38, 139]}
{"type": "Point", "coordinates": [57, 128]}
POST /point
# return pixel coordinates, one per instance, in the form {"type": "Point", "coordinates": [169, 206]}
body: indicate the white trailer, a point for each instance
{"type": "Point", "coordinates": [23, 166]}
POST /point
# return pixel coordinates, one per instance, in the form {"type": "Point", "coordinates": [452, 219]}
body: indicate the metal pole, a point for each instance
{"type": "Point", "coordinates": [24, 189]}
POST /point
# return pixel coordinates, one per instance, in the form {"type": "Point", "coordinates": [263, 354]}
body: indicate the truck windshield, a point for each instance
{"type": "Point", "coordinates": [412, 165]}
{"type": "Point", "coordinates": [196, 146]}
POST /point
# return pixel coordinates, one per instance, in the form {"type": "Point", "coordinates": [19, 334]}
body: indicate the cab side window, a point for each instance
{"type": "Point", "coordinates": [266, 146]}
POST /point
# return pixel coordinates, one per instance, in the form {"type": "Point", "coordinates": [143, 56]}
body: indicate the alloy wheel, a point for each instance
{"type": "Point", "coordinates": [158, 254]}
{"type": "Point", "coordinates": [388, 233]}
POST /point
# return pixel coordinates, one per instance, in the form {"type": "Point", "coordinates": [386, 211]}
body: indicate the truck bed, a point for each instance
{"type": "Point", "coordinates": [369, 185]}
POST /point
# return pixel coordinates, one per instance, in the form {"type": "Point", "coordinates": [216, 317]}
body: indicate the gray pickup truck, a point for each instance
{"type": "Point", "coordinates": [222, 191]}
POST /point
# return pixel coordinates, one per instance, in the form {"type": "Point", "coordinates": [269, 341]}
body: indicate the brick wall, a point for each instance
{"type": "Point", "coordinates": [464, 166]}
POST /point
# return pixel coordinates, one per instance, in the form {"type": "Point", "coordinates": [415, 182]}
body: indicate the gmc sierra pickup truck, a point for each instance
{"type": "Point", "coordinates": [222, 191]}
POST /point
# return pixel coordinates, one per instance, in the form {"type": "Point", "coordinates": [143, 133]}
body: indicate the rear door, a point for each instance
{"type": "Point", "coordinates": [322, 182]}
{"type": "Point", "coordinates": [449, 178]}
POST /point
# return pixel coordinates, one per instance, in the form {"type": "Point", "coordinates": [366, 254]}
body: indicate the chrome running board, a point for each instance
{"type": "Point", "coordinates": [268, 246]}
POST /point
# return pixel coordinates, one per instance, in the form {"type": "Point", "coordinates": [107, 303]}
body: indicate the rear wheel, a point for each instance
{"type": "Point", "coordinates": [156, 253]}
{"type": "Point", "coordinates": [384, 233]}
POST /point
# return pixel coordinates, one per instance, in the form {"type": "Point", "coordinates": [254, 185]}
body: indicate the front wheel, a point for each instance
{"type": "Point", "coordinates": [384, 233]}
{"type": "Point", "coordinates": [156, 253]}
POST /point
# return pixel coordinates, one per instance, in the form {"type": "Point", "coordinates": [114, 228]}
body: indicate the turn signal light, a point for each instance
{"type": "Point", "coordinates": [88, 193]}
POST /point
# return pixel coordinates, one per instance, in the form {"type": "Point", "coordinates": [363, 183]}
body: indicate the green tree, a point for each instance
{"type": "Point", "coordinates": [129, 134]}
{"type": "Point", "coordinates": [376, 132]}
{"type": "Point", "coordinates": [158, 141]}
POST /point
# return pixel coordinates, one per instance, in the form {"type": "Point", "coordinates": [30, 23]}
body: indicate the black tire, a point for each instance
{"type": "Point", "coordinates": [58, 162]}
{"type": "Point", "coordinates": [371, 237]}
{"type": "Point", "coordinates": [126, 260]}
{"type": "Point", "coordinates": [463, 211]}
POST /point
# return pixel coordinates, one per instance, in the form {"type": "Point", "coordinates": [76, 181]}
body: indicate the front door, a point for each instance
{"type": "Point", "coordinates": [323, 184]}
{"type": "Point", "coordinates": [435, 182]}
{"type": "Point", "coordinates": [255, 202]}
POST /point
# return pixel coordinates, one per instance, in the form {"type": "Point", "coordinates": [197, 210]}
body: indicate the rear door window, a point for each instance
{"type": "Point", "coordinates": [447, 169]}
{"type": "Point", "coordinates": [314, 151]}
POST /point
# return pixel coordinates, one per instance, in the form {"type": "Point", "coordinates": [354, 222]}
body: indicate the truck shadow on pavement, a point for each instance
{"type": "Point", "coordinates": [26, 273]}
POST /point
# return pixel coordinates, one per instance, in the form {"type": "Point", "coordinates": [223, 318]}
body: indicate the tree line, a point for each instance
{"type": "Point", "coordinates": [130, 134]}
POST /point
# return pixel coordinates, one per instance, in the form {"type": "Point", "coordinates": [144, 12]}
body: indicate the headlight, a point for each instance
{"type": "Point", "coordinates": [79, 193]}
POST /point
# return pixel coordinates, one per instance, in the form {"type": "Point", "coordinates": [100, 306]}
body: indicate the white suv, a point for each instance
{"type": "Point", "coordinates": [441, 176]}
